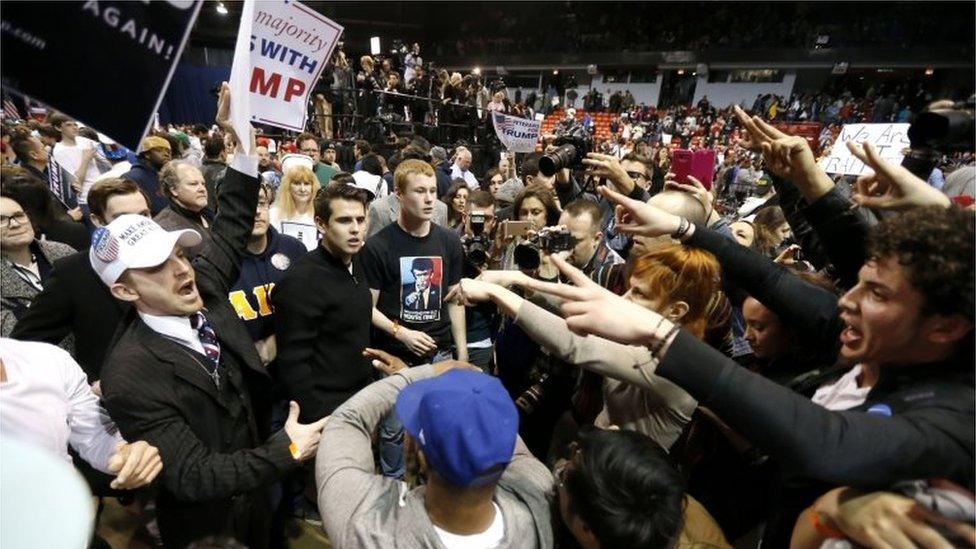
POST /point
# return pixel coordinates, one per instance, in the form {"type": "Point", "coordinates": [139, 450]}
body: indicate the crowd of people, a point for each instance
{"type": "Point", "coordinates": [580, 27]}
{"type": "Point", "coordinates": [403, 350]}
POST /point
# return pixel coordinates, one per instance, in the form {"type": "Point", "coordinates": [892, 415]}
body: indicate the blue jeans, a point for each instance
{"type": "Point", "coordinates": [481, 357]}
{"type": "Point", "coordinates": [391, 435]}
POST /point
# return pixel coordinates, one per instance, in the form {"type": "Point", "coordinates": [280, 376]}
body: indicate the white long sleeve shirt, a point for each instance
{"type": "Point", "coordinates": [46, 401]}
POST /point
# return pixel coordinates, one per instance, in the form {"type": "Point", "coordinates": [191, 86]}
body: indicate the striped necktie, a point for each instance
{"type": "Point", "coordinates": [208, 338]}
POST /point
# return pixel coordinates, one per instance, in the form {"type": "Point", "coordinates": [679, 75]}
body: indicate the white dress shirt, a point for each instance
{"type": "Point", "coordinates": [46, 401]}
{"type": "Point", "coordinates": [466, 175]}
{"type": "Point", "coordinates": [176, 328]}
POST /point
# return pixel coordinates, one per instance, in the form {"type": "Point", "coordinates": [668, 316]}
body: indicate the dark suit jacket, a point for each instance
{"type": "Point", "coordinates": [175, 218]}
{"type": "Point", "coordinates": [74, 301]}
{"type": "Point", "coordinates": [212, 482]}
{"type": "Point", "coordinates": [433, 299]}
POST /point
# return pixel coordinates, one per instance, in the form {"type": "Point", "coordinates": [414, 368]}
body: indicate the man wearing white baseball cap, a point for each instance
{"type": "Point", "coordinates": [183, 373]}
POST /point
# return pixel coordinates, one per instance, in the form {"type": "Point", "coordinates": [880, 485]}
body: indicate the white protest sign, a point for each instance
{"type": "Point", "coordinates": [890, 140]}
{"type": "Point", "coordinates": [282, 48]}
{"type": "Point", "coordinates": [517, 134]}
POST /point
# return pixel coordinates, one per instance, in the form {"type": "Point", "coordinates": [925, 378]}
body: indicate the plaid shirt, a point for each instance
{"type": "Point", "coordinates": [606, 268]}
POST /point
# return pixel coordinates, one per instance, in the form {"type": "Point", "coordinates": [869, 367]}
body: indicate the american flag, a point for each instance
{"type": "Point", "coordinates": [10, 109]}
{"type": "Point", "coordinates": [503, 122]}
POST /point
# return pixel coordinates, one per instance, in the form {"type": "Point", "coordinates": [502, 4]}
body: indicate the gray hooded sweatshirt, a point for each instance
{"type": "Point", "coordinates": [362, 509]}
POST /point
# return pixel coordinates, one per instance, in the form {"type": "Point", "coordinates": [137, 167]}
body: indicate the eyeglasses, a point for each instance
{"type": "Point", "coordinates": [637, 175]}
{"type": "Point", "coordinates": [20, 217]}
{"type": "Point", "coordinates": [310, 151]}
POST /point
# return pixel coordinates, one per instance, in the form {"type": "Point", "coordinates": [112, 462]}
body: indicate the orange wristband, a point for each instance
{"type": "Point", "coordinates": [396, 327]}
{"type": "Point", "coordinates": [823, 529]}
{"type": "Point", "coordinates": [294, 450]}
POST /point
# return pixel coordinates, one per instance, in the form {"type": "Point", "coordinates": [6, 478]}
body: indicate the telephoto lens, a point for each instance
{"type": "Point", "coordinates": [562, 157]}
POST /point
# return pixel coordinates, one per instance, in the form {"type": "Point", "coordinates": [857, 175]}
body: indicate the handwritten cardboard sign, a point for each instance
{"type": "Point", "coordinates": [890, 140]}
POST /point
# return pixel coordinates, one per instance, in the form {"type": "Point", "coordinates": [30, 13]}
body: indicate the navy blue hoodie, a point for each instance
{"type": "Point", "coordinates": [259, 274]}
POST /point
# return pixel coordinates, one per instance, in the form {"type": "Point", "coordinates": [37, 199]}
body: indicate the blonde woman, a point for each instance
{"type": "Point", "coordinates": [293, 212]}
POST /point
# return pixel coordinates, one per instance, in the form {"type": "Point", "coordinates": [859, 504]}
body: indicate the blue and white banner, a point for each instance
{"type": "Point", "coordinates": [516, 134]}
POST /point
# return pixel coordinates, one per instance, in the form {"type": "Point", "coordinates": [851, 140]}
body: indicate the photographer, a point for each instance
{"type": "Point", "coordinates": [476, 237]}
{"type": "Point", "coordinates": [535, 207]}
{"type": "Point", "coordinates": [419, 85]}
{"type": "Point", "coordinates": [367, 83]}
{"type": "Point", "coordinates": [590, 253]}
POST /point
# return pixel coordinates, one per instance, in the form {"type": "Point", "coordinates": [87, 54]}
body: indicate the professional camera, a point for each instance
{"type": "Point", "coordinates": [549, 239]}
{"type": "Point", "coordinates": [530, 398]}
{"type": "Point", "coordinates": [571, 148]}
{"type": "Point", "coordinates": [939, 131]}
{"type": "Point", "coordinates": [476, 246]}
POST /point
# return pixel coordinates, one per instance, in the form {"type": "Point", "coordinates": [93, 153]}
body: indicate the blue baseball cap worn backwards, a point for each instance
{"type": "Point", "coordinates": [465, 423]}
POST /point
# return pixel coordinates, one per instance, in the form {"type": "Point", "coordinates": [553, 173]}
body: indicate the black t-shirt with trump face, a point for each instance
{"type": "Point", "coordinates": [413, 275]}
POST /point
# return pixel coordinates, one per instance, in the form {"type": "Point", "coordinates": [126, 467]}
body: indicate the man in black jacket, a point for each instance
{"type": "Point", "coordinates": [321, 334]}
{"type": "Point", "coordinates": [909, 319]}
{"type": "Point", "coordinates": [186, 191]}
{"type": "Point", "coordinates": [182, 372]}
{"type": "Point", "coordinates": [74, 301]}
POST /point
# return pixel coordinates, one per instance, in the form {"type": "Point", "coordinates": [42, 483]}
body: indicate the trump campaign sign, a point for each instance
{"type": "Point", "coordinates": [517, 134]}
{"type": "Point", "coordinates": [282, 49]}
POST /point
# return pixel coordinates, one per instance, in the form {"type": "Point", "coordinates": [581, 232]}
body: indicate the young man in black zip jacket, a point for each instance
{"type": "Point", "coordinates": [910, 316]}
{"type": "Point", "coordinates": [323, 310]}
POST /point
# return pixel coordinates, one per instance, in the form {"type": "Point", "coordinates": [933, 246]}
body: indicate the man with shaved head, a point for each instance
{"type": "Point", "coordinates": [678, 203]}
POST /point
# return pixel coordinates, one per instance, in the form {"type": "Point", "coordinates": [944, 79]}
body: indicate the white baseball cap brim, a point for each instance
{"type": "Point", "coordinates": [144, 245]}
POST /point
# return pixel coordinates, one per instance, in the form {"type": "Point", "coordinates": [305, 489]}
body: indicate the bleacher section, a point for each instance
{"type": "Point", "coordinates": [601, 121]}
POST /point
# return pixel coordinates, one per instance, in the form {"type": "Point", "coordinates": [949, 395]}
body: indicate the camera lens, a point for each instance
{"type": "Point", "coordinates": [477, 255]}
{"type": "Point", "coordinates": [558, 159]}
{"type": "Point", "coordinates": [526, 256]}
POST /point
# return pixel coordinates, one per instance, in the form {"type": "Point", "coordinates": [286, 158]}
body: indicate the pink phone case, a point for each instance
{"type": "Point", "coordinates": [681, 160]}
{"type": "Point", "coordinates": [703, 166]}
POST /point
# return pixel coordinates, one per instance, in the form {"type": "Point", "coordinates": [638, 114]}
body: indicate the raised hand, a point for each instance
{"type": "Point", "coordinates": [224, 122]}
{"type": "Point", "coordinates": [639, 218]}
{"type": "Point", "coordinates": [787, 156]}
{"type": "Point", "coordinates": [503, 278]}
{"type": "Point", "coordinates": [223, 111]}
{"type": "Point", "coordinates": [471, 291]}
{"type": "Point", "coordinates": [757, 131]}
{"type": "Point", "coordinates": [608, 166]}
{"type": "Point", "coordinates": [891, 187]}
{"type": "Point", "coordinates": [695, 188]}
{"type": "Point", "coordinates": [591, 309]}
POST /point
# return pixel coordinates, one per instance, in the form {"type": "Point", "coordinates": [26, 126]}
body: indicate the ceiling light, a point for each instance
{"type": "Point", "coordinates": [221, 8]}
